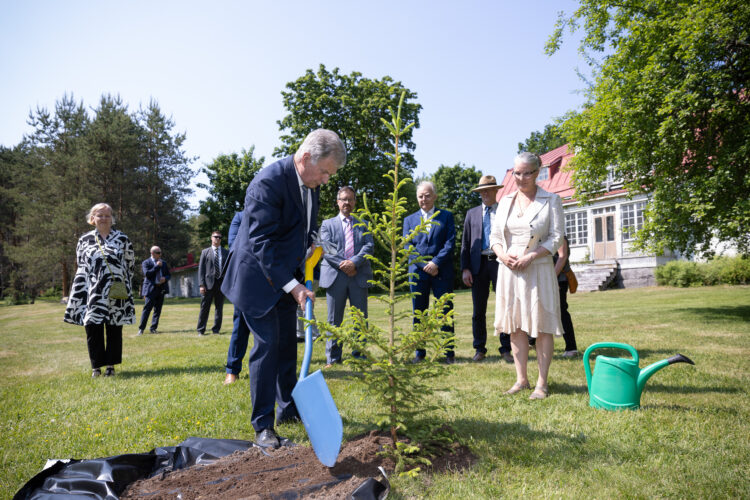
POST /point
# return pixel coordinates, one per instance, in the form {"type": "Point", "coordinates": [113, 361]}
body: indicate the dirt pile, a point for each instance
{"type": "Point", "coordinates": [289, 472]}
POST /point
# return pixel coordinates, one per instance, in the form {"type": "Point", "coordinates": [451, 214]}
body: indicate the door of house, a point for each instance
{"type": "Point", "coordinates": [605, 247]}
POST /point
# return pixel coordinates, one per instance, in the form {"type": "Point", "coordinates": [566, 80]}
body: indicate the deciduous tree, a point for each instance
{"type": "Point", "coordinates": [668, 113]}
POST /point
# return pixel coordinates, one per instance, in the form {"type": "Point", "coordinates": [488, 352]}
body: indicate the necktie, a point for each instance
{"type": "Point", "coordinates": [305, 211]}
{"type": "Point", "coordinates": [349, 239]}
{"type": "Point", "coordinates": [217, 264]}
{"type": "Point", "coordinates": [486, 228]}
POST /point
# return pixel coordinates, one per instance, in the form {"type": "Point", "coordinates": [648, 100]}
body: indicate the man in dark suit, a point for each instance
{"type": "Point", "coordinates": [345, 273]}
{"type": "Point", "coordinates": [240, 331]}
{"type": "Point", "coordinates": [438, 243]}
{"type": "Point", "coordinates": [265, 267]}
{"type": "Point", "coordinates": [209, 278]}
{"type": "Point", "coordinates": [155, 286]}
{"type": "Point", "coordinates": [479, 265]}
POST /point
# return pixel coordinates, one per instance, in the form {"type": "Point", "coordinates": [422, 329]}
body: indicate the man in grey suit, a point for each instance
{"type": "Point", "coordinates": [209, 277]}
{"type": "Point", "coordinates": [345, 273]}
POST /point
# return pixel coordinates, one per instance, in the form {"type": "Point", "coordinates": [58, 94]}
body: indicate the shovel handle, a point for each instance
{"type": "Point", "coordinates": [310, 264]}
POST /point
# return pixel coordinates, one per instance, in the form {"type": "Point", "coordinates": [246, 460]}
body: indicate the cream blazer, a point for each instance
{"type": "Point", "coordinates": [546, 225]}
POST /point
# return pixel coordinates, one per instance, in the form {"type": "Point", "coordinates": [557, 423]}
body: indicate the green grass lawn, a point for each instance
{"type": "Point", "coordinates": [691, 438]}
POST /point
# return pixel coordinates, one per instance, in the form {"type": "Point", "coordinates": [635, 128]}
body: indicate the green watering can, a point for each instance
{"type": "Point", "coordinates": [617, 383]}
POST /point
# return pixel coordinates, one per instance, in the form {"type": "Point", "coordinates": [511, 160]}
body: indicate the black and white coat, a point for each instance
{"type": "Point", "coordinates": [88, 303]}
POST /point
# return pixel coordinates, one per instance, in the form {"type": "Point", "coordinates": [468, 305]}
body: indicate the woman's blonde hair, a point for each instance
{"type": "Point", "coordinates": [98, 208]}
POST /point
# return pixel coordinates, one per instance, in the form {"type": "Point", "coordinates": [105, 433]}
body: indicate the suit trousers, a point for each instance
{"type": "Point", "coordinates": [439, 287]}
{"type": "Point", "coordinates": [154, 301]}
{"type": "Point", "coordinates": [480, 293]}
{"type": "Point", "coordinates": [99, 354]}
{"type": "Point", "coordinates": [569, 333]}
{"type": "Point", "coordinates": [342, 288]}
{"type": "Point", "coordinates": [273, 364]}
{"type": "Point", "coordinates": [237, 344]}
{"type": "Point", "coordinates": [213, 295]}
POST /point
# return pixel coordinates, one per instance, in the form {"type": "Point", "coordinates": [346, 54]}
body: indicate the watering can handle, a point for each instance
{"type": "Point", "coordinates": [603, 345]}
{"type": "Point", "coordinates": [310, 264]}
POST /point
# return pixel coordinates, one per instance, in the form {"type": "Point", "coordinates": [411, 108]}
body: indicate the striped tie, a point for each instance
{"type": "Point", "coordinates": [349, 236]}
{"type": "Point", "coordinates": [217, 265]}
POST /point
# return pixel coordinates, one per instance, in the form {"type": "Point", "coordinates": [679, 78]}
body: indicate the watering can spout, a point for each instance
{"type": "Point", "coordinates": [646, 373]}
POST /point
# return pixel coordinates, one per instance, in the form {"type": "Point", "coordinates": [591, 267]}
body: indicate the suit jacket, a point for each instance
{"type": "Point", "coordinates": [150, 273]}
{"type": "Point", "coordinates": [471, 240]}
{"type": "Point", "coordinates": [332, 231]}
{"type": "Point", "coordinates": [271, 243]}
{"type": "Point", "coordinates": [206, 269]}
{"type": "Point", "coordinates": [438, 243]}
{"type": "Point", "coordinates": [234, 228]}
{"type": "Point", "coordinates": [546, 221]}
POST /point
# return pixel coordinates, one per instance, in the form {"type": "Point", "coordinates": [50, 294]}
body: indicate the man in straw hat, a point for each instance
{"type": "Point", "coordinates": [479, 265]}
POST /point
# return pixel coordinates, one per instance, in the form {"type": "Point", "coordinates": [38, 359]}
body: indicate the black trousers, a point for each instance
{"type": "Point", "coordinates": [154, 302]}
{"type": "Point", "coordinates": [569, 333]}
{"type": "Point", "coordinates": [480, 292]}
{"type": "Point", "coordinates": [213, 295]}
{"type": "Point", "coordinates": [99, 354]}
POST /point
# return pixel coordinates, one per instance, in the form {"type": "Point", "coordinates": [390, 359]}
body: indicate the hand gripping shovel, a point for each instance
{"type": "Point", "coordinates": [311, 395]}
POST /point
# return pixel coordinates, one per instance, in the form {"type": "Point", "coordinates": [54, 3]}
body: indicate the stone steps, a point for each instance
{"type": "Point", "coordinates": [595, 277]}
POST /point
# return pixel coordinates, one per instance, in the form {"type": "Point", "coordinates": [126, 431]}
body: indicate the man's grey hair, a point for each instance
{"type": "Point", "coordinates": [346, 188]}
{"type": "Point", "coordinates": [155, 249]}
{"type": "Point", "coordinates": [527, 158]}
{"type": "Point", "coordinates": [427, 184]}
{"type": "Point", "coordinates": [322, 143]}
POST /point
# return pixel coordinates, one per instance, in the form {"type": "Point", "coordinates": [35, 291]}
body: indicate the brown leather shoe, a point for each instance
{"type": "Point", "coordinates": [479, 356]}
{"type": "Point", "coordinates": [507, 357]}
{"type": "Point", "coordinates": [231, 378]}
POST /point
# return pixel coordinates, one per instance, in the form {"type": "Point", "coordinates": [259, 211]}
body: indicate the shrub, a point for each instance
{"type": "Point", "coordinates": [721, 270]}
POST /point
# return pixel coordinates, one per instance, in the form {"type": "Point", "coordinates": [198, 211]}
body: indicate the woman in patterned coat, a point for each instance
{"type": "Point", "coordinates": [89, 303]}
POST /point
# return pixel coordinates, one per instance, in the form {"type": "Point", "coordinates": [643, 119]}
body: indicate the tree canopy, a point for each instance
{"type": "Point", "coordinates": [228, 176]}
{"type": "Point", "coordinates": [73, 159]}
{"type": "Point", "coordinates": [351, 106]}
{"type": "Point", "coordinates": [668, 113]}
{"type": "Point", "coordinates": [541, 142]}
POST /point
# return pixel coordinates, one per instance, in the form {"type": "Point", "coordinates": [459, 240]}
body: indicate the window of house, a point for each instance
{"type": "Point", "coordinates": [543, 174]}
{"type": "Point", "coordinates": [631, 219]}
{"type": "Point", "coordinates": [576, 228]}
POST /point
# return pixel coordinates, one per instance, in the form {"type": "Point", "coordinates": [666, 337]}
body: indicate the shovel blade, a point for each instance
{"type": "Point", "coordinates": [320, 416]}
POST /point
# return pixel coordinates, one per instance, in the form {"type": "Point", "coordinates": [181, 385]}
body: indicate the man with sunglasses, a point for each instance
{"type": "Point", "coordinates": [209, 278]}
{"type": "Point", "coordinates": [155, 286]}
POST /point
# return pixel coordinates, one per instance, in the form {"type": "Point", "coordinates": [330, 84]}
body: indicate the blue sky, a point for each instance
{"type": "Point", "coordinates": [218, 68]}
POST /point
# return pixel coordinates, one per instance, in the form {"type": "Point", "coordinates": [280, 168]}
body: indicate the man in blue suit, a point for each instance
{"type": "Point", "coordinates": [265, 267]}
{"type": "Point", "coordinates": [479, 265]}
{"type": "Point", "coordinates": [240, 332]}
{"type": "Point", "coordinates": [155, 286]}
{"type": "Point", "coordinates": [438, 243]}
{"type": "Point", "coordinates": [344, 274]}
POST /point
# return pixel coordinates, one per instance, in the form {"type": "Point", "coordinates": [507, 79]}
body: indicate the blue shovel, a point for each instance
{"type": "Point", "coordinates": [311, 395]}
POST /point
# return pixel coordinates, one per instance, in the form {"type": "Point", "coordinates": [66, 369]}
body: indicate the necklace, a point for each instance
{"type": "Point", "coordinates": [522, 210]}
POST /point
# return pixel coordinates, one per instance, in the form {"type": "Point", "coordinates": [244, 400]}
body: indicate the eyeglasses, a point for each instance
{"type": "Point", "coordinates": [525, 174]}
{"type": "Point", "coordinates": [157, 253]}
{"type": "Point", "coordinates": [216, 236]}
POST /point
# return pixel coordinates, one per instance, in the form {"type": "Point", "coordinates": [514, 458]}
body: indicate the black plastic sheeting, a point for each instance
{"type": "Point", "coordinates": [106, 478]}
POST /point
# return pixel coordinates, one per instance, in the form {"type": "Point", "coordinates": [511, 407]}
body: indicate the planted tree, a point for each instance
{"type": "Point", "coordinates": [398, 387]}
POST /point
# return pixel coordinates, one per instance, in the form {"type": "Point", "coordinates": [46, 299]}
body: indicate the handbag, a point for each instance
{"type": "Point", "coordinates": [572, 281]}
{"type": "Point", "coordinates": [117, 290]}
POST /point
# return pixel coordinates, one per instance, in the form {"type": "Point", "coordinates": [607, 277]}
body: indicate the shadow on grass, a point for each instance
{"type": "Point", "coordinates": [170, 370]}
{"type": "Point", "coordinates": [718, 313]}
{"type": "Point", "coordinates": [682, 389]}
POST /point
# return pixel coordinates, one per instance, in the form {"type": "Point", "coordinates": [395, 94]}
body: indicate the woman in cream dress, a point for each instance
{"type": "Point", "coordinates": [527, 230]}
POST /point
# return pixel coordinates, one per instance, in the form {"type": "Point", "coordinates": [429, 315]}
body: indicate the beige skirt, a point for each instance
{"type": "Point", "coordinates": [528, 300]}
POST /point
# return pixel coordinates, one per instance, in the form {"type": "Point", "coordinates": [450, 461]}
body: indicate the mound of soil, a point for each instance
{"type": "Point", "coordinates": [288, 472]}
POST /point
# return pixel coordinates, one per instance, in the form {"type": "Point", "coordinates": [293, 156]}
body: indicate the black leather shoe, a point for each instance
{"type": "Point", "coordinates": [479, 356]}
{"type": "Point", "coordinates": [450, 361]}
{"type": "Point", "coordinates": [417, 359]}
{"type": "Point", "coordinates": [267, 438]}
